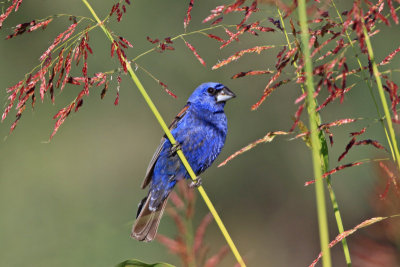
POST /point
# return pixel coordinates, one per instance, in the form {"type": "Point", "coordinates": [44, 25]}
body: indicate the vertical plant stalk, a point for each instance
{"type": "Point", "coordinates": [335, 206]}
{"type": "Point", "coordinates": [382, 97]}
{"type": "Point", "coordinates": [172, 141]}
{"type": "Point", "coordinates": [325, 164]}
{"type": "Point", "coordinates": [366, 79]}
{"type": "Point", "coordinates": [315, 141]}
{"type": "Point", "coordinates": [189, 242]}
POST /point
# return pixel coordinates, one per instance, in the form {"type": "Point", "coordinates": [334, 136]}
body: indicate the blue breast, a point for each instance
{"type": "Point", "coordinates": [201, 135]}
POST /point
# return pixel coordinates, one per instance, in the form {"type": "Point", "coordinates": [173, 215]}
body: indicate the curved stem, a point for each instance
{"type": "Point", "coordinates": [173, 141]}
{"type": "Point", "coordinates": [315, 141]}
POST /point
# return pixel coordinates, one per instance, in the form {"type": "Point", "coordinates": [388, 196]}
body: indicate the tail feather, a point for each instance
{"type": "Point", "coordinates": [147, 221]}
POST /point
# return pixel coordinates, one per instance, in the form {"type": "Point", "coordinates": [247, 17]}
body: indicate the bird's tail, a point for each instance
{"type": "Point", "coordinates": [147, 221]}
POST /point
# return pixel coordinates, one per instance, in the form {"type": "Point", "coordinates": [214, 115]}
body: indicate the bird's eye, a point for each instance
{"type": "Point", "coordinates": [211, 91]}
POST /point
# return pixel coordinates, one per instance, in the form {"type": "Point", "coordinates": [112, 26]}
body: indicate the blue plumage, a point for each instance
{"type": "Point", "coordinates": [200, 129]}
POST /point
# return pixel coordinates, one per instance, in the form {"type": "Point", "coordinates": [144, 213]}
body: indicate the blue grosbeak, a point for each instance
{"type": "Point", "coordinates": [200, 131]}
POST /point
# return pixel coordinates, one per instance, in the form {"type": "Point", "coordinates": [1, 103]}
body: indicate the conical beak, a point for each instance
{"type": "Point", "coordinates": [224, 95]}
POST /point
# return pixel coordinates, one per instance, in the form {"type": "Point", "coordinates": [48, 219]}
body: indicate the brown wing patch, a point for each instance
{"type": "Point", "coordinates": [150, 168]}
{"type": "Point", "coordinates": [178, 117]}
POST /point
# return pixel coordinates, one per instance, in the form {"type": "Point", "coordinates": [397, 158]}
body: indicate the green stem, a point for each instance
{"type": "Point", "coordinates": [315, 142]}
{"type": "Point", "coordinates": [172, 141]}
{"type": "Point", "coordinates": [336, 211]}
{"type": "Point", "coordinates": [325, 165]}
{"type": "Point", "coordinates": [382, 97]}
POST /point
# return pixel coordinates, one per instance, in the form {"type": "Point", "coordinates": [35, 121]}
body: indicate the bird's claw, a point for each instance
{"type": "Point", "coordinates": [174, 149]}
{"type": "Point", "coordinates": [195, 183]}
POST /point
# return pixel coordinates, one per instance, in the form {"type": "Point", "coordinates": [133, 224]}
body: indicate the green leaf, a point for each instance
{"type": "Point", "coordinates": [138, 263]}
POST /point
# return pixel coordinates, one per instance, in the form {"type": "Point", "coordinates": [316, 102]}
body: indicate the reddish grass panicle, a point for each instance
{"type": "Point", "coordinates": [188, 244]}
{"type": "Point", "coordinates": [68, 50]}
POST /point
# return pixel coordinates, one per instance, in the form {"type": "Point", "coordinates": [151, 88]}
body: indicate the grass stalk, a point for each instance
{"type": "Point", "coordinates": [189, 242]}
{"type": "Point", "coordinates": [382, 97]}
{"type": "Point", "coordinates": [315, 140]}
{"type": "Point", "coordinates": [173, 141]}
{"type": "Point", "coordinates": [335, 205]}
{"type": "Point", "coordinates": [325, 164]}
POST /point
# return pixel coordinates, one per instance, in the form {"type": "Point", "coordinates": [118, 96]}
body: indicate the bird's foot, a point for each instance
{"type": "Point", "coordinates": [174, 149]}
{"type": "Point", "coordinates": [195, 183]}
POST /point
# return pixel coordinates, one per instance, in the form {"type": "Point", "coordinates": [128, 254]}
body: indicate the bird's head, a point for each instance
{"type": "Point", "coordinates": [211, 96]}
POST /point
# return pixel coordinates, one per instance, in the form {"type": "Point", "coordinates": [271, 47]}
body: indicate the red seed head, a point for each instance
{"type": "Point", "coordinates": [195, 53]}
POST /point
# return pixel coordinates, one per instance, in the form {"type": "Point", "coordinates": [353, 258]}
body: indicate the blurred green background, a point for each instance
{"type": "Point", "coordinates": [71, 202]}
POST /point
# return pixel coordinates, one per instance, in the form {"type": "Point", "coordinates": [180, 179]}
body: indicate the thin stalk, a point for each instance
{"type": "Point", "coordinates": [172, 141]}
{"type": "Point", "coordinates": [364, 77]}
{"type": "Point", "coordinates": [336, 210]}
{"type": "Point", "coordinates": [182, 35]}
{"type": "Point", "coordinates": [189, 242]}
{"type": "Point", "coordinates": [315, 141]}
{"type": "Point", "coordinates": [325, 165]}
{"type": "Point", "coordinates": [382, 97]}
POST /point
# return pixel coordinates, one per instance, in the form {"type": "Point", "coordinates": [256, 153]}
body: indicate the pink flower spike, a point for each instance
{"type": "Point", "coordinates": [16, 4]}
{"type": "Point", "coordinates": [42, 24]}
{"type": "Point", "coordinates": [390, 56]}
{"type": "Point", "coordinates": [188, 15]}
{"type": "Point", "coordinates": [56, 41]}
{"type": "Point", "coordinates": [237, 55]}
{"type": "Point", "coordinates": [125, 41]}
{"type": "Point", "coordinates": [338, 168]}
{"type": "Point", "coordinates": [195, 53]}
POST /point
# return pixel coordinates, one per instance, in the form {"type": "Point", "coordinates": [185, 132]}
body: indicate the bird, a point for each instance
{"type": "Point", "coordinates": [200, 131]}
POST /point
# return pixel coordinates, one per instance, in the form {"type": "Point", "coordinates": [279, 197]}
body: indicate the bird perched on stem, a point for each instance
{"type": "Point", "coordinates": [200, 131]}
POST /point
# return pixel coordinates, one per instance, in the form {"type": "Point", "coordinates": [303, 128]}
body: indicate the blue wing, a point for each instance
{"type": "Point", "coordinates": [150, 168]}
